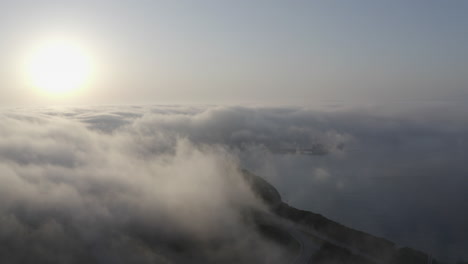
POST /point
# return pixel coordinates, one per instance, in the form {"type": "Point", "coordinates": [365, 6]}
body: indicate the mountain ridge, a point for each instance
{"type": "Point", "coordinates": [345, 241]}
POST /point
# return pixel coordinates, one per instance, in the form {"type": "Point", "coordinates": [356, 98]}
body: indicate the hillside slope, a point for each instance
{"type": "Point", "coordinates": [340, 244]}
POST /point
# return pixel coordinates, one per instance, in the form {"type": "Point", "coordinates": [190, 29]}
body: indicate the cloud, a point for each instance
{"type": "Point", "coordinates": [72, 194]}
{"type": "Point", "coordinates": [109, 184]}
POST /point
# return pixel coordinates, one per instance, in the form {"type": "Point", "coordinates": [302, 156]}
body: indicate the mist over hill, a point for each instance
{"type": "Point", "coordinates": [163, 184]}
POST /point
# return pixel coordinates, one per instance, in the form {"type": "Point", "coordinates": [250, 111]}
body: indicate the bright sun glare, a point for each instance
{"type": "Point", "coordinates": [59, 68]}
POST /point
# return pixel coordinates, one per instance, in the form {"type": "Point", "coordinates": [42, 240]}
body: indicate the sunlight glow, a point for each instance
{"type": "Point", "coordinates": [59, 68]}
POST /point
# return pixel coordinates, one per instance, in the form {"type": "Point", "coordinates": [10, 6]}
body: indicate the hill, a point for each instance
{"type": "Point", "coordinates": [338, 243]}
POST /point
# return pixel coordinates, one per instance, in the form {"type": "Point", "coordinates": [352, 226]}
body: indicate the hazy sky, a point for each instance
{"type": "Point", "coordinates": [287, 52]}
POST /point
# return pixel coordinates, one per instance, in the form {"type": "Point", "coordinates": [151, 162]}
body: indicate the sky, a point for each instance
{"type": "Point", "coordinates": [254, 52]}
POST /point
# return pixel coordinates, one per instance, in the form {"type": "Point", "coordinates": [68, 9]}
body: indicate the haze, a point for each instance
{"type": "Point", "coordinates": [261, 52]}
{"type": "Point", "coordinates": [128, 129]}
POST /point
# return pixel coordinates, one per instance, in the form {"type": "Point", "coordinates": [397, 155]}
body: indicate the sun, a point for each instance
{"type": "Point", "coordinates": [59, 68]}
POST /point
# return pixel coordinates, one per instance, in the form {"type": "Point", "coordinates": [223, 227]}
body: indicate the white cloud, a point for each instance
{"type": "Point", "coordinates": [117, 178]}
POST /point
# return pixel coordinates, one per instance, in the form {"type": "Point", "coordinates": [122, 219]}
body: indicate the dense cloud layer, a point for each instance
{"type": "Point", "coordinates": [117, 181]}
{"type": "Point", "coordinates": [69, 194]}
